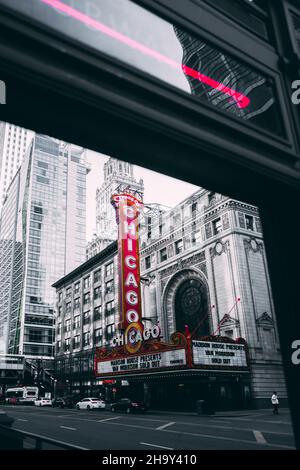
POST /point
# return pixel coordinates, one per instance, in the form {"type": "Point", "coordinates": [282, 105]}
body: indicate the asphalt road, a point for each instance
{"type": "Point", "coordinates": [257, 429]}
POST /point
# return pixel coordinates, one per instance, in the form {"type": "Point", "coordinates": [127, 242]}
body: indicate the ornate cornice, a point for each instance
{"type": "Point", "coordinates": [253, 245]}
{"type": "Point", "coordinates": [227, 320]}
{"type": "Point", "coordinates": [265, 320]}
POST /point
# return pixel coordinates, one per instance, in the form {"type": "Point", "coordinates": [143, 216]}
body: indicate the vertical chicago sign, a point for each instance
{"type": "Point", "coordinates": [127, 214]}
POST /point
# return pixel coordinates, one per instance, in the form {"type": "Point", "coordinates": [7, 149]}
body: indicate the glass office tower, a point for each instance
{"type": "Point", "coordinates": [42, 237]}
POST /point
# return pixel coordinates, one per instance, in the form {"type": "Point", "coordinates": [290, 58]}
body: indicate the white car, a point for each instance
{"type": "Point", "coordinates": [90, 404]}
{"type": "Point", "coordinates": [43, 402]}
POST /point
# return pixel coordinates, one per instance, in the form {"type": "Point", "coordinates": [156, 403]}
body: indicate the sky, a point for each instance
{"type": "Point", "coordinates": [174, 190]}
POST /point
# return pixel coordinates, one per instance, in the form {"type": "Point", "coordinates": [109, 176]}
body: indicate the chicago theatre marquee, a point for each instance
{"type": "Point", "coordinates": [198, 321]}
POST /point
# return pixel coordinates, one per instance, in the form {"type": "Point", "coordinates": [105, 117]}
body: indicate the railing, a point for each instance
{"type": "Point", "coordinates": [11, 438]}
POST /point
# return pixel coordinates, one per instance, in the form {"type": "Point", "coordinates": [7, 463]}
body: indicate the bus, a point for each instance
{"type": "Point", "coordinates": [21, 395]}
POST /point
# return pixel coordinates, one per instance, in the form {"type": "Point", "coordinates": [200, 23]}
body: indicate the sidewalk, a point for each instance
{"type": "Point", "coordinates": [223, 414]}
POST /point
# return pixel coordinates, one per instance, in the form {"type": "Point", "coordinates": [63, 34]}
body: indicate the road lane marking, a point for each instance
{"type": "Point", "coordinates": [20, 419]}
{"type": "Point", "coordinates": [160, 428]}
{"type": "Point", "coordinates": [259, 437]}
{"type": "Point", "coordinates": [155, 445]}
{"type": "Point", "coordinates": [67, 427]}
{"type": "Point", "coordinates": [206, 425]}
{"type": "Point", "coordinates": [107, 419]}
{"type": "Point", "coordinates": [208, 436]}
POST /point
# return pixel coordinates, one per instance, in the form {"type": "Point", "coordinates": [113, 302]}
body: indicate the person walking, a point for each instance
{"type": "Point", "coordinates": [275, 403]}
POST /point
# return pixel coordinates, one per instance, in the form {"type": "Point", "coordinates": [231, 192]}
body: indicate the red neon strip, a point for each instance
{"type": "Point", "coordinates": [242, 101]}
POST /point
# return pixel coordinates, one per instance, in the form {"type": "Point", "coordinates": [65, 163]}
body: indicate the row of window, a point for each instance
{"type": "Point", "coordinates": [109, 288]}
{"type": "Point", "coordinates": [86, 339]}
{"type": "Point", "coordinates": [109, 310]}
{"type": "Point", "coordinates": [211, 229]}
{"type": "Point", "coordinates": [109, 270]}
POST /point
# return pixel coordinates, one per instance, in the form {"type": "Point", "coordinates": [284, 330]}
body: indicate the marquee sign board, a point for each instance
{"type": "Point", "coordinates": [181, 353]}
{"type": "Point", "coordinates": [144, 362]}
{"type": "Point", "coordinates": [207, 353]}
{"type": "Point", "coordinates": [154, 355]}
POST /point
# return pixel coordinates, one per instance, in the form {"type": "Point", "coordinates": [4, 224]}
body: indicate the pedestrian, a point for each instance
{"type": "Point", "coordinates": [275, 403]}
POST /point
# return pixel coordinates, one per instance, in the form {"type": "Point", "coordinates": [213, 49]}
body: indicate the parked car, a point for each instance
{"type": "Point", "coordinates": [128, 406]}
{"type": "Point", "coordinates": [90, 404]}
{"type": "Point", "coordinates": [62, 403]}
{"type": "Point", "coordinates": [43, 402]}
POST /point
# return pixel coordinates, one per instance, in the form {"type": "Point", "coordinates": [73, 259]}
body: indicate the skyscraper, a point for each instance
{"type": "Point", "coordinates": [118, 175]}
{"type": "Point", "coordinates": [42, 236]}
{"type": "Point", "coordinates": [14, 141]}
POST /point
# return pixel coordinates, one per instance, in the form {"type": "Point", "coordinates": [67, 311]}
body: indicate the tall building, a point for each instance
{"type": "Point", "coordinates": [42, 237]}
{"type": "Point", "coordinates": [118, 175]}
{"type": "Point", "coordinates": [14, 141]}
{"type": "Point", "coordinates": [203, 264]}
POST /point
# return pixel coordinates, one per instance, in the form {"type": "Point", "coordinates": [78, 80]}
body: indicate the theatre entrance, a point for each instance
{"type": "Point", "coordinates": [181, 393]}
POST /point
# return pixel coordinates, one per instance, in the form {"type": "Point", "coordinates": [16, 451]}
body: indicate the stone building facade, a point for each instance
{"type": "Point", "coordinates": [203, 264]}
{"type": "Point", "coordinates": [206, 258]}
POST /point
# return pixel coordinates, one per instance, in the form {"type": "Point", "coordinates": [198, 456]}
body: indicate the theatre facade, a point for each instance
{"type": "Point", "coordinates": [181, 313]}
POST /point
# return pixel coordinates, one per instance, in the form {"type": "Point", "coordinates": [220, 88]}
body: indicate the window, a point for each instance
{"type": "Point", "coordinates": [109, 287]}
{"type": "Point", "coordinates": [68, 307]}
{"type": "Point", "coordinates": [229, 333]}
{"type": "Point", "coordinates": [97, 312]}
{"type": "Point", "coordinates": [97, 293]}
{"type": "Point", "coordinates": [194, 209]}
{"type": "Point", "coordinates": [76, 303]}
{"type": "Point", "coordinates": [109, 308]}
{"type": "Point", "coordinates": [59, 311]}
{"type": "Point", "coordinates": [148, 262]}
{"type": "Point", "coordinates": [67, 344]}
{"type": "Point", "coordinates": [86, 298]}
{"type": "Point", "coordinates": [86, 339]}
{"type": "Point", "coordinates": [77, 287]}
{"type": "Point", "coordinates": [77, 321]}
{"type": "Point", "coordinates": [196, 237]}
{"type": "Point", "coordinates": [163, 255]}
{"type": "Point", "coordinates": [86, 282]}
{"type": "Point", "coordinates": [86, 317]}
{"type": "Point", "coordinates": [97, 275]}
{"type": "Point", "coordinates": [149, 230]}
{"type": "Point", "coordinates": [60, 296]}
{"type": "Point", "coordinates": [217, 226]}
{"type": "Point", "coordinates": [109, 332]}
{"type": "Point", "coordinates": [58, 346]}
{"type": "Point", "coordinates": [98, 335]}
{"type": "Point", "coordinates": [109, 269]}
{"type": "Point", "coordinates": [68, 292]}
{"type": "Point", "coordinates": [58, 331]}
{"type": "Point", "coordinates": [76, 342]}
{"type": "Point", "coordinates": [68, 325]}
{"type": "Point", "coordinates": [249, 222]}
{"type": "Point", "coordinates": [179, 247]}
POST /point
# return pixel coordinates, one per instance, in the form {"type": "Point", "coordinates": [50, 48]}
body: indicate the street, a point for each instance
{"type": "Point", "coordinates": [256, 429]}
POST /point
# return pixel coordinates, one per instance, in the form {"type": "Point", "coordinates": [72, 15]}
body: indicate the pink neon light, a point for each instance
{"type": "Point", "coordinates": [242, 101]}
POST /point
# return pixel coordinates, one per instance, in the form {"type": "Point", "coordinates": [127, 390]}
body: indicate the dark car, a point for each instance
{"type": "Point", "coordinates": [128, 406]}
{"type": "Point", "coordinates": [62, 403]}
